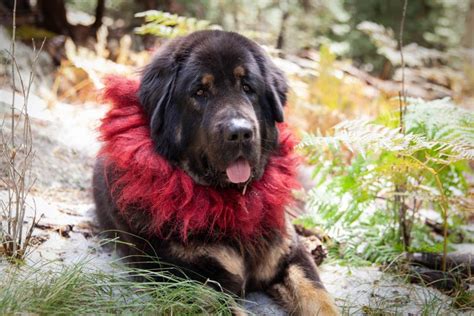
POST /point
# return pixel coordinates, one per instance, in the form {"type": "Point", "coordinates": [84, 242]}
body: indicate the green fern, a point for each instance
{"type": "Point", "coordinates": [362, 136]}
{"type": "Point", "coordinates": [441, 119]}
{"type": "Point", "coordinates": [361, 166]}
{"type": "Point", "coordinates": [167, 25]}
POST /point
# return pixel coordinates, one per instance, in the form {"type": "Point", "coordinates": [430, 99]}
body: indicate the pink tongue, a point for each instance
{"type": "Point", "coordinates": [239, 171]}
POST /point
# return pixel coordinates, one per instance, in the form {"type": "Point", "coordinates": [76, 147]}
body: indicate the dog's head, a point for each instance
{"type": "Point", "coordinates": [213, 99]}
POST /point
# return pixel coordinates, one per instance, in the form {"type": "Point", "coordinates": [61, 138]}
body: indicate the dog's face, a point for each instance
{"type": "Point", "coordinates": [213, 99]}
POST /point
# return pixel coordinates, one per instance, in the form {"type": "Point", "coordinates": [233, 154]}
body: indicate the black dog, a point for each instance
{"type": "Point", "coordinates": [211, 102]}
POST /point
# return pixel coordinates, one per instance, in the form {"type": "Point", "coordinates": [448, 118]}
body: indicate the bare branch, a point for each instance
{"type": "Point", "coordinates": [13, 73]}
{"type": "Point", "coordinates": [17, 154]}
{"type": "Point", "coordinates": [400, 41]}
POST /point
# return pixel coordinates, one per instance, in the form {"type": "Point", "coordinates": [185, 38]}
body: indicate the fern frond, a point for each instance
{"type": "Point", "coordinates": [167, 25]}
{"type": "Point", "coordinates": [443, 122]}
{"type": "Point", "coordinates": [362, 136]}
{"type": "Point", "coordinates": [356, 193]}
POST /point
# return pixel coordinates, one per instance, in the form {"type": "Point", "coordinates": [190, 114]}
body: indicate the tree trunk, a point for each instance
{"type": "Point", "coordinates": [53, 15]}
{"type": "Point", "coordinates": [99, 14]}
{"type": "Point", "coordinates": [165, 5]}
{"type": "Point", "coordinates": [281, 35]}
{"type": "Point", "coordinates": [22, 6]}
{"type": "Point", "coordinates": [24, 13]}
{"type": "Point", "coordinates": [149, 4]}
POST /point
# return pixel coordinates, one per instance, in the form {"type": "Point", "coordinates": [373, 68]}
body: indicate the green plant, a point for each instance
{"type": "Point", "coordinates": [55, 288]}
{"type": "Point", "coordinates": [167, 25]}
{"type": "Point", "coordinates": [372, 179]}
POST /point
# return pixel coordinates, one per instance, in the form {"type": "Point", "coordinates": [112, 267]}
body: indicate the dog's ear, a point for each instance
{"type": "Point", "coordinates": [157, 87]}
{"type": "Point", "coordinates": [276, 89]}
{"type": "Point", "coordinates": [276, 86]}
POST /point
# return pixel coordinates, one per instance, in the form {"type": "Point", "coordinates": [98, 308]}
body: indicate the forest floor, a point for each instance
{"type": "Point", "coordinates": [66, 233]}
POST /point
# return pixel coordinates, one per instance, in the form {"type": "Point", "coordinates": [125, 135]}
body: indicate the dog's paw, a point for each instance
{"type": "Point", "coordinates": [238, 311]}
{"type": "Point", "coordinates": [302, 297]}
{"type": "Point", "coordinates": [319, 303]}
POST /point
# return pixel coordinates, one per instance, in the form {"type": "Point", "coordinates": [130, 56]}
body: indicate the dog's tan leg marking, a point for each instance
{"type": "Point", "coordinates": [238, 310]}
{"type": "Point", "coordinates": [230, 260]}
{"type": "Point", "coordinates": [227, 257]}
{"type": "Point", "coordinates": [301, 297]}
{"type": "Point", "coordinates": [269, 266]}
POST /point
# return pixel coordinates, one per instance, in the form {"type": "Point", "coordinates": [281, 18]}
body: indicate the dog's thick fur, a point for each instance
{"type": "Point", "coordinates": [205, 101]}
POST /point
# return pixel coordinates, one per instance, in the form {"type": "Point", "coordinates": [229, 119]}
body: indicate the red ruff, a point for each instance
{"type": "Point", "coordinates": [147, 180]}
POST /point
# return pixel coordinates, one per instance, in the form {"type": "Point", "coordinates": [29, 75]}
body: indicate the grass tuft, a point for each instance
{"type": "Point", "coordinates": [54, 288]}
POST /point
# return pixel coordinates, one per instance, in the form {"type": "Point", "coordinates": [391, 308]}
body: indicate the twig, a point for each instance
{"type": "Point", "coordinates": [18, 157]}
{"type": "Point", "coordinates": [13, 149]}
{"type": "Point", "coordinates": [399, 202]}
{"type": "Point", "coordinates": [400, 41]}
{"type": "Point", "coordinates": [13, 74]}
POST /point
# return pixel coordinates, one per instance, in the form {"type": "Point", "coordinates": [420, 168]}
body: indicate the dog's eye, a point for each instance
{"type": "Point", "coordinates": [246, 88]}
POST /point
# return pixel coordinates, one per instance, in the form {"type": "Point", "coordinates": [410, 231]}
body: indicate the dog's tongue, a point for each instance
{"type": "Point", "coordinates": [239, 171]}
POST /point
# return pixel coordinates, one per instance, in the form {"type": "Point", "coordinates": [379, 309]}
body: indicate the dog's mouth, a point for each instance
{"type": "Point", "coordinates": [236, 173]}
{"type": "Point", "coordinates": [239, 171]}
{"type": "Point", "coordinates": [226, 170]}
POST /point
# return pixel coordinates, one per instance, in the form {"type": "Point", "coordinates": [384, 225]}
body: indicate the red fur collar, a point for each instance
{"type": "Point", "coordinates": [147, 180]}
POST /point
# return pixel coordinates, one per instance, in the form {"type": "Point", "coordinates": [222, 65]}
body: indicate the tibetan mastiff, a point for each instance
{"type": "Point", "coordinates": [197, 168]}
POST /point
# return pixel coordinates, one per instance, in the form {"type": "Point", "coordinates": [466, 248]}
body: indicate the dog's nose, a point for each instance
{"type": "Point", "coordinates": [238, 131]}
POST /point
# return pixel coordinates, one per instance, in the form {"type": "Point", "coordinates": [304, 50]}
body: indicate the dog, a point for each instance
{"type": "Point", "coordinates": [197, 162]}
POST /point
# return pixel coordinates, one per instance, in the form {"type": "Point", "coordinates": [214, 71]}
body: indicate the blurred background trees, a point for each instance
{"type": "Point", "coordinates": [290, 25]}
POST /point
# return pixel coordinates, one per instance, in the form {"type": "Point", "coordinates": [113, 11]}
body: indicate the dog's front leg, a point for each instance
{"type": "Point", "coordinates": [300, 289]}
{"type": "Point", "coordinates": [220, 266]}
